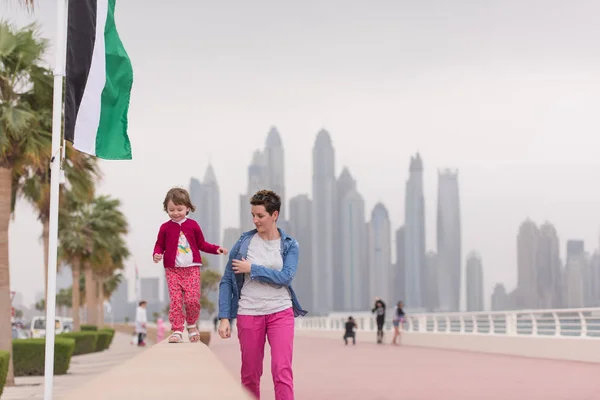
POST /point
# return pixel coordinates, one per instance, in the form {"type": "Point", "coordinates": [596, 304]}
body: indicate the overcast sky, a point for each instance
{"type": "Point", "coordinates": [506, 91]}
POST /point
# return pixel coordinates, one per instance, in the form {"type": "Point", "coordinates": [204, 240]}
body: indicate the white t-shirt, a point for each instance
{"type": "Point", "coordinates": [141, 319]}
{"type": "Point", "coordinates": [184, 257]}
{"type": "Point", "coordinates": [259, 298]}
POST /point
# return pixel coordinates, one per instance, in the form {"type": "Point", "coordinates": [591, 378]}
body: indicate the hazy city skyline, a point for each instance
{"type": "Point", "coordinates": [495, 91]}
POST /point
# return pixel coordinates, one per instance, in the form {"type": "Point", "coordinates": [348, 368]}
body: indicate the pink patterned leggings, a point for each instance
{"type": "Point", "coordinates": [184, 288]}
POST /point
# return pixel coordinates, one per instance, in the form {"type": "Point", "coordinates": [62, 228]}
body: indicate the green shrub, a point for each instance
{"type": "Point", "coordinates": [112, 334]}
{"type": "Point", "coordinates": [29, 356]}
{"type": "Point", "coordinates": [88, 328]}
{"type": "Point", "coordinates": [103, 341]}
{"type": "Point", "coordinates": [85, 341]}
{"type": "Point", "coordinates": [4, 361]}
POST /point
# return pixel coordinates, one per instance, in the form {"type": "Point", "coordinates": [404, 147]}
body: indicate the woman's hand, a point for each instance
{"type": "Point", "coordinates": [242, 266]}
{"type": "Point", "coordinates": [225, 329]}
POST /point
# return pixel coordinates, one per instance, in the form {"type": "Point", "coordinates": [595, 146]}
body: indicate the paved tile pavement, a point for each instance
{"type": "Point", "coordinates": [82, 369]}
{"type": "Point", "coordinates": [325, 369]}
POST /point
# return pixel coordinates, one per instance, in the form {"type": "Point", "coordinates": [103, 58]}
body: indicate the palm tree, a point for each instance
{"type": "Point", "coordinates": [75, 245]}
{"type": "Point", "coordinates": [105, 272]}
{"type": "Point", "coordinates": [110, 250]}
{"type": "Point", "coordinates": [22, 141]}
{"type": "Point", "coordinates": [81, 174]}
{"type": "Point", "coordinates": [90, 236]}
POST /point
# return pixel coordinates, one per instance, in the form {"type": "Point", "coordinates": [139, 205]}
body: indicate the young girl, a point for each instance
{"type": "Point", "coordinates": [398, 321]}
{"type": "Point", "coordinates": [379, 311]}
{"type": "Point", "coordinates": [178, 245]}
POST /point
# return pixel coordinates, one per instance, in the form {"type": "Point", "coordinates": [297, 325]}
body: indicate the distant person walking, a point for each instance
{"type": "Point", "coordinates": [178, 246]}
{"type": "Point", "coordinates": [350, 333]}
{"type": "Point", "coordinates": [141, 321]}
{"type": "Point", "coordinates": [379, 311]}
{"type": "Point", "coordinates": [256, 287]}
{"type": "Point", "coordinates": [398, 321]}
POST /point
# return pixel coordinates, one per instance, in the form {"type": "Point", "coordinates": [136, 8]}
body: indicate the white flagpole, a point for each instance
{"type": "Point", "coordinates": [57, 106]}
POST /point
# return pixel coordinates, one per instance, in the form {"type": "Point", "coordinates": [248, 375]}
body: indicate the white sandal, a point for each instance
{"type": "Point", "coordinates": [176, 337]}
{"type": "Point", "coordinates": [192, 335]}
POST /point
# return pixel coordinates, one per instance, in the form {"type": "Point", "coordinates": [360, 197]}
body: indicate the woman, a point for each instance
{"type": "Point", "coordinates": [256, 289]}
{"type": "Point", "coordinates": [398, 321]}
{"type": "Point", "coordinates": [379, 311]}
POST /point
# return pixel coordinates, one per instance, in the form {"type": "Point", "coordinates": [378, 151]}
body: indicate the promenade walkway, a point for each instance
{"type": "Point", "coordinates": [325, 369]}
{"type": "Point", "coordinates": [83, 368]}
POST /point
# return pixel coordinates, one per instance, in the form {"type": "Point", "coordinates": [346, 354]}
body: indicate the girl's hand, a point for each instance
{"type": "Point", "coordinates": [157, 257]}
{"type": "Point", "coordinates": [222, 250]}
{"type": "Point", "coordinates": [242, 266]}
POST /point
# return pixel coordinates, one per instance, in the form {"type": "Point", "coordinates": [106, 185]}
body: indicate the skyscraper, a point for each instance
{"type": "Point", "coordinates": [575, 273]}
{"type": "Point", "coordinates": [323, 222]}
{"type": "Point", "coordinates": [431, 299]}
{"type": "Point", "coordinates": [353, 252]}
{"type": "Point", "coordinates": [399, 274]}
{"type": "Point", "coordinates": [527, 265]}
{"type": "Point", "coordinates": [207, 199]}
{"type": "Point", "coordinates": [275, 168]}
{"type": "Point", "coordinates": [414, 235]}
{"type": "Point", "coordinates": [150, 289]}
{"type": "Point", "coordinates": [595, 279]}
{"type": "Point", "coordinates": [474, 282]}
{"type": "Point", "coordinates": [345, 184]}
{"type": "Point", "coordinates": [549, 276]}
{"type": "Point", "coordinates": [449, 241]}
{"type": "Point", "coordinates": [301, 229]}
{"type": "Point", "coordinates": [380, 254]}
{"type": "Point", "coordinates": [257, 180]}
{"type": "Point", "coordinates": [266, 171]}
{"type": "Point", "coordinates": [499, 298]}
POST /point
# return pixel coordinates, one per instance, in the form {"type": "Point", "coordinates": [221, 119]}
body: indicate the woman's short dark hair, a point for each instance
{"type": "Point", "coordinates": [267, 198]}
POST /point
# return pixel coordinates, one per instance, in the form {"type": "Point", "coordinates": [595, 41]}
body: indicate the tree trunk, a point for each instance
{"type": "Point", "coordinates": [5, 302]}
{"type": "Point", "coordinates": [46, 239]}
{"type": "Point", "coordinates": [91, 314]}
{"type": "Point", "coordinates": [100, 302]}
{"type": "Point", "coordinates": [75, 301]}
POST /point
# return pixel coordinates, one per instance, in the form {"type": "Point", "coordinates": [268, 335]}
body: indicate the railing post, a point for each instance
{"type": "Point", "coordinates": [583, 324]}
{"type": "Point", "coordinates": [534, 325]}
{"type": "Point", "coordinates": [490, 324]}
{"type": "Point", "coordinates": [511, 324]}
{"type": "Point", "coordinates": [475, 324]}
{"type": "Point", "coordinates": [422, 324]}
{"type": "Point", "coordinates": [462, 324]}
{"type": "Point", "coordinates": [557, 327]}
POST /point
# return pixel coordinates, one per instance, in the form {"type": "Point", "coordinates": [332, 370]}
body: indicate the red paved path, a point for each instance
{"type": "Point", "coordinates": [327, 370]}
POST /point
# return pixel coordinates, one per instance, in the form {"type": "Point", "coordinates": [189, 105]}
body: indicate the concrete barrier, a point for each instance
{"type": "Point", "coordinates": [550, 347]}
{"type": "Point", "coordinates": [185, 370]}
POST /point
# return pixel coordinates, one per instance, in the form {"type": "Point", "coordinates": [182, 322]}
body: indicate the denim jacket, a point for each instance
{"type": "Point", "coordinates": [231, 284]}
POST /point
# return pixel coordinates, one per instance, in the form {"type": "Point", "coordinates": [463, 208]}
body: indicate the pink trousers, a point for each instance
{"type": "Point", "coordinates": [279, 329]}
{"type": "Point", "coordinates": [184, 288]}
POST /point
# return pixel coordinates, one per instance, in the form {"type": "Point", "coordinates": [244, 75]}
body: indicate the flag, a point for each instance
{"type": "Point", "coordinates": [99, 77]}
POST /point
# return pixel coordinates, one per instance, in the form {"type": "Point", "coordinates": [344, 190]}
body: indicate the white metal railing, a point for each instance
{"type": "Point", "coordinates": [577, 322]}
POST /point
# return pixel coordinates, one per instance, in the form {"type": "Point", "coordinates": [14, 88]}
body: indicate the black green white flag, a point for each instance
{"type": "Point", "coordinates": [99, 77]}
